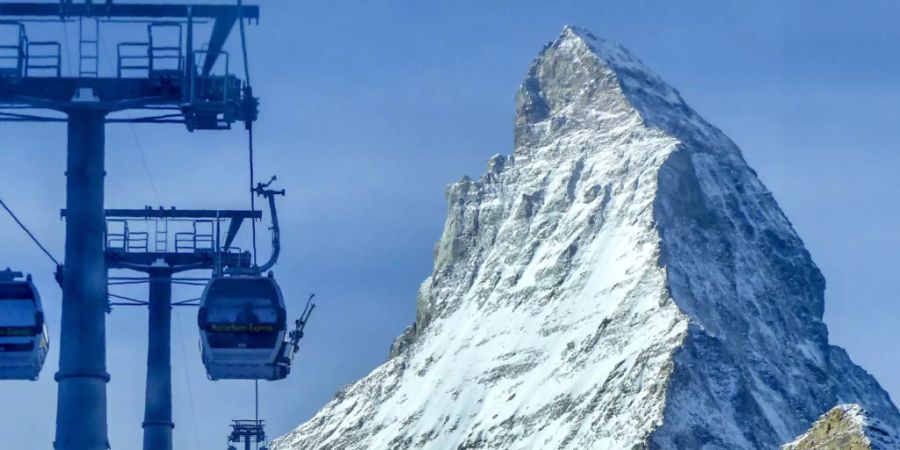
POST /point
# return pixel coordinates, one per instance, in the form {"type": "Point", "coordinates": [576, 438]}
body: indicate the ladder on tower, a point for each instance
{"type": "Point", "coordinates": [88, 47]}
{"type": "Point", "coordinates": [161, 237]}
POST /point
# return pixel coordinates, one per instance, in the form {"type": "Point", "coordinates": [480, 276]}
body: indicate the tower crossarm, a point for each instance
{"type": "Point", "coordinates": [170, 83]}
{"type": "Point", "coordinates": [126, 10]}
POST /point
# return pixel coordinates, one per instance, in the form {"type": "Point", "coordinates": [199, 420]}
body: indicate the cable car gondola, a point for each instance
{"type": "Point", "coordinates": [23, 335]}
{"type": "Point", "coordinates": [243, 324]}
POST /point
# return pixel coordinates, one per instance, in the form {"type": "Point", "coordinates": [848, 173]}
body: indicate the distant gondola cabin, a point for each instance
{"type": "Point", "coordinates": [23, 334]}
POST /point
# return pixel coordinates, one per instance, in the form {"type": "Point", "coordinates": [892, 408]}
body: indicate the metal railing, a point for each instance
{"type": "Point", "coordinates": [199, 240]}
{"type": "Point", "coordinates": [14, 53]}
{"type": "Point", "coordinates": [150, 58]}
{"type": "Point", "coordinates": [43, 56]}
{"type": "Point", "coordinates": [124, 240]}
{"type": "Point", "coordinates": [165, 60]}
{"type": "Point", "coordinates": [204, 240]}
{"type": "Point", "coordinates": [117, 241]}
{"type": "Point", "coordinates": [129, 60]}
{"type": "Point", "coordinates": [220, 85]}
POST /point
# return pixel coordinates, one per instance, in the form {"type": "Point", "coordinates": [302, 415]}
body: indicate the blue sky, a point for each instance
{"type": "Point", "coordinates": [369, 109]}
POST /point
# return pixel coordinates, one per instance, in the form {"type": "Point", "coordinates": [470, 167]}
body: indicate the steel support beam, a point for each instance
{"type": "Point", "coordinates": [233, 226]}
{"type": "Point", "coordinates": [221, 30]}
{"type": "Point", "coordinates": [158, 423]}
{"type": "Point", "coordinates": [172, 213]}
{"type": "Point", "coordinates": [125, 10]}
{"type": "Point", "coordinates": [81, 409]}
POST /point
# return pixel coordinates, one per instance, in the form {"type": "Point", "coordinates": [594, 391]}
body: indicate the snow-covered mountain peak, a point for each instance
{"type": "Point", "coordinates": [622, 281]}
{"type": "Point", "coordinates": [580, 81]}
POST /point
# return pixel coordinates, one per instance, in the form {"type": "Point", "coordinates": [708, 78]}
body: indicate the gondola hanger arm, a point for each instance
{"type": "Point", "coordinates": [262, 190]}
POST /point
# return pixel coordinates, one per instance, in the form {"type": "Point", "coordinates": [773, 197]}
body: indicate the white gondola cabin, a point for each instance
{"type": "Point", "coordinates": [243, 323]}
{"type": "Point", "coordinates": [23, 335]}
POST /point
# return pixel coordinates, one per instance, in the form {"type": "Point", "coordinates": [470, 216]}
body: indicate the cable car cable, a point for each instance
{"type": "Point", "coordinates": [252, 193]}
{"type": "Point", "coordinates": [240, 5]}
{"type": "Point", "coordinates": [252, 186]}
{"type": "Point", "coordinates": [28, 232]}
{"type": "Point", "coordinates": [187, 379]}
{"type": "Point", "coordinates": [137, 141]}
{"type": "Point", "coordinates": [188, 302]}
{"type": "Point", "coordinates": [140, 149]}
{"type": "Point", "coordinates": [248, 124]}
{"type": "Point", "coordinates": [256, 392]}
{"type": "Point", "coordinates": [133, 301]}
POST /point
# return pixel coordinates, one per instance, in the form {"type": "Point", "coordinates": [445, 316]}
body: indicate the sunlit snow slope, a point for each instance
{"type": "Point", "coordinates": [622, 281]}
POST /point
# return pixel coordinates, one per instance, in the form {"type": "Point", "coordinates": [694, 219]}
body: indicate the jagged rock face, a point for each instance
{"type": "Point", "coordinates": [846, 427]}
{"type": "Point", "coordinates": [623, 281]}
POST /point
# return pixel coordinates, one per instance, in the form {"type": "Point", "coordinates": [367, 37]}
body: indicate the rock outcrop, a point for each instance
{"type": "Point", "coordinates": [847, 427]}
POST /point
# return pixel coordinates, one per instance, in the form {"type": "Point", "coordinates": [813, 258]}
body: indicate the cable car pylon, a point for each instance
{"type": "Point", "coordinates": [161, 260]}
{"type": "Point", "coordinates": [243, 309]}
{"type": "Point", "coordinates": [169, 85]}
{"type": "Point", "coordinates": [247, 432]}
{"type": "Point", "coordinates": [242, 316]}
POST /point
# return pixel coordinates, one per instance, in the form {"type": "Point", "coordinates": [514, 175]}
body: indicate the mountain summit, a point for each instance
{"type": "Point", "coordinates": [622, 281]}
